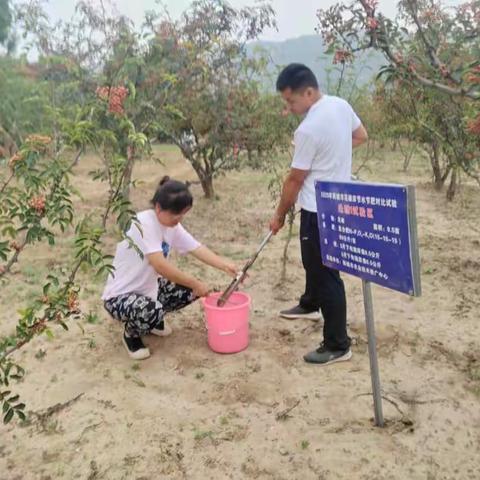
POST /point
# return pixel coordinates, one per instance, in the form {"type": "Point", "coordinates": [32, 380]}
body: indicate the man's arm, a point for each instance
{"type": "Point", "coordinates": [359, 136]}
{"type": "Point", "coordinates": [291, 186]}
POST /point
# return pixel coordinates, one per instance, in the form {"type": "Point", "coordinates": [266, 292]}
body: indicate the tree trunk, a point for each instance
{"type": "Point", "coordinates": [207, 186]}
{"type": "Point", "coordinates": [127, 179]}
{"type": "Point", "coordinates": [438, 177]}
{"type": "Point", "coordinates": [364, 162]}
{"type": "Point", "coordinates": [250, 156]}
{"type": "Point", "coordinates": [452, 187]}
{"type": "Point", "coordinates": [407, 153]}
{"type": "Point", "coordinates": [206, 179]}
{"type": "Point", "coordinates": [77, 157]}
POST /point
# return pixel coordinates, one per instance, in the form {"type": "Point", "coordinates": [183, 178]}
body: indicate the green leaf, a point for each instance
{"type": "Point", "coordinates": [8, 416]}
{"type": "Point", "coordinates": [63, 324]}
{"type": "Point", "coordinates": [21, 415]}
{"type": "Point", "coordinates": [4, 394]}
{"type": "Point", "coordinates": [132, 89]}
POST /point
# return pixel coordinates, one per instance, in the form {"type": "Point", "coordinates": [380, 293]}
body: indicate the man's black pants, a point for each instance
{"type": "Point", "coordinates": [324, 288]}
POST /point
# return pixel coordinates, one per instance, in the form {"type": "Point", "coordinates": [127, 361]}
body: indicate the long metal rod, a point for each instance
{"type": "Point", "coordinates": [241, 275]}
{"type": "Point", "coordinates": [372, 353]}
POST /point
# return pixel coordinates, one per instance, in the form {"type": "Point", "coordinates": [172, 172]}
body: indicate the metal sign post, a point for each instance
{"type": "Point", "coordinates": [372, 353]}
{"type": "Point", "coordinates": [369, 230]}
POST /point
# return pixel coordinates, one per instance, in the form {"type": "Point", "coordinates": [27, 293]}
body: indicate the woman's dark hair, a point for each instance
{"type": "Point", "coordinates": [296, 76]}
{"type": "Point", "coordinates": [172, 195]}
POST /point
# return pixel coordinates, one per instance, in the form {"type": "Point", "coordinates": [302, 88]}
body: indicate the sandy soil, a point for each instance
{"type": "Point", "coordinates": [188, 413]}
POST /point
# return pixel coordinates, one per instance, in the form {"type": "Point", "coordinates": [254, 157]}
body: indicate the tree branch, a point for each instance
{"type": "Point", "coordinates": [385, 47]}
{"type": "Point", "coordinates": [5, 185]}
{"type": "Point", "coordinates": [22, 245]}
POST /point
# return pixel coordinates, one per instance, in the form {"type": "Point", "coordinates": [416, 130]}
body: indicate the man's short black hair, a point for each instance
{"type": "Point", "coordinates": [296, 76]}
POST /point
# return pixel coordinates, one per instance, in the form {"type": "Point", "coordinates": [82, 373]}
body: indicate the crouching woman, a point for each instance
{"type": "Point", "coordinates": [144, 288]}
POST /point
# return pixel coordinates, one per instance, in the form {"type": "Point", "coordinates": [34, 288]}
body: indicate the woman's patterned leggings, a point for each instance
{"type": "Point", "coordinates": [141, 314]}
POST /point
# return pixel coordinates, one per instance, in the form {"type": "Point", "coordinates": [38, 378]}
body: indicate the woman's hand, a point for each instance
{"type": "Point", "coordinates": [200, 289]}
{"type": "Point", "coordinates": [207, 256]}
{"type": "Point", "coordinates": [230, 268]}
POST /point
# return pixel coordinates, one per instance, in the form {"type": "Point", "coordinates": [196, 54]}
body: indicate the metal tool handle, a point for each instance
{"type": "Point", "coordinates": [241, 275]}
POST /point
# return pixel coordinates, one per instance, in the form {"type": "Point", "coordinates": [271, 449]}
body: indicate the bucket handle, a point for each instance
{"type": "Point", "coordinates": [229, 332]}
{"type": "Point", "coordinates": [223, 334]}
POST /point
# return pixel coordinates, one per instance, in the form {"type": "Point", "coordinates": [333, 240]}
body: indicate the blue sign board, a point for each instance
{"type": "Point", "coordinates": [369, 230]}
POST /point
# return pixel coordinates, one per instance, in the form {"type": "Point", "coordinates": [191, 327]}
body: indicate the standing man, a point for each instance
{"type": "Point", "coordinates": [323, 151]}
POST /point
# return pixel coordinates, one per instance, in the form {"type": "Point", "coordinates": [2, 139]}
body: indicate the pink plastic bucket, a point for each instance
{"type": "Point", "coordinates": [228, 325]}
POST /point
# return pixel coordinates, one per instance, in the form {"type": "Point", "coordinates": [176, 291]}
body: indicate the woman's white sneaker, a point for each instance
{"type": "Point", "coordinates": [135, 347]}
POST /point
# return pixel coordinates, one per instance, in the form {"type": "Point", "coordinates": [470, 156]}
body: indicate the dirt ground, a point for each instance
{"type": "Point", "coordinates": [188, 413]}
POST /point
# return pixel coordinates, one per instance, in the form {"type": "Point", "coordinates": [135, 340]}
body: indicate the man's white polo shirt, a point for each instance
{"type": "Point", "coordinates": [323, 145]}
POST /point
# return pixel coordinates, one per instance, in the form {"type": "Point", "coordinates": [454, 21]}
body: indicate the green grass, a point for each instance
{"type": "Point", "coordinates": [305, 444]}
{"type": "Point", "coordinates": [166, 148]}
{"type": "Point", "coordinates": [199, 435]}
{"type": "Point", "coordinates": [92, 318]}
{"type": "Point", "coordinates": [33, 275]}
{"type": "Point", "coordinates": [223, 421]}
{"type": "Point", "coordinates": [234, 254]}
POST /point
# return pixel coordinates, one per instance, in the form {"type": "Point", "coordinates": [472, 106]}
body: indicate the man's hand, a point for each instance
{"type": "Point", "coordinates": [291, 186]}
{"type": "Point", "coordinates": [276, 223]}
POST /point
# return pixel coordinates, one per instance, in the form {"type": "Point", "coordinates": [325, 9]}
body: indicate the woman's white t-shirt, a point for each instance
{"type": "Point", "coordinates": [134, 274]}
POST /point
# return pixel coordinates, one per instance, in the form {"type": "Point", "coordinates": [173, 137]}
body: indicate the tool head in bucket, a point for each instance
{"type": "Point", "coordinates": [222, 300]}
